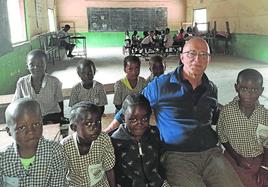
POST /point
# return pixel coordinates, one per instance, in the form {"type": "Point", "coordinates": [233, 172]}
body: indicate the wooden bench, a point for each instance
{"type": "Point", "coordinates": [66, 92]}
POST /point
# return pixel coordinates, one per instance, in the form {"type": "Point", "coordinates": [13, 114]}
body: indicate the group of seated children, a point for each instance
{"type": "Point", "coordinates": [131, 156]}
{"type": "Point", "coordinates": [87, 157]}
{"type": "Point", "coordinates": [158, 39]}
{"type": "Point", "coordinates": [153, 39]}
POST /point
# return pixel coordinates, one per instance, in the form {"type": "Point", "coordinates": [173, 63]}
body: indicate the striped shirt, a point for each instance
{"type": "Point", "coordinates": [99, 159]}
{"type": "Point", "coordinates": [96, 95]}
{"type": "Point", "coordinates": [48, 168]}
{"type": "Point", "coordinates": [234, 127]}
{"type": "Point", "coordinates": [49, 96]}
{"type": "Point", "coordinates": [121, 91]}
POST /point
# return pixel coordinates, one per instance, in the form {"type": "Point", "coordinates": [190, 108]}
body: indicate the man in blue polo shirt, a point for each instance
{"type": "Point", "coordinates": [185, 104]}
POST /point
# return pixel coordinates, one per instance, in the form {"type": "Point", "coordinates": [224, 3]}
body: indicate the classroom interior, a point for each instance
{"type": "Point", "coordinates": [247, 47]}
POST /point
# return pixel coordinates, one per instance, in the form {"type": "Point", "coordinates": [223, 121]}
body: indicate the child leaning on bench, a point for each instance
{"type": "Point", "coordinates": [31, 160]}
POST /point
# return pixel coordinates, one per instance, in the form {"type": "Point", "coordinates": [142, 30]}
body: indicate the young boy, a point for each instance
{"type": "Point", "coordinates": [89, 151]}
{"type": "Point", "coordinates": [42, 87]}
{"type": "Point", "coordinates": [31, 160]}
{"type": "Point", "coordinates": [157, 67]}
{"type": "Point", "coordinates": [88, 89]}
{"type": "Point", "coordinates": [131, 83]}
{"type": "Point", "coordinates": [237, 129]}
{"type": "Point", "coordinates": [137, 146]}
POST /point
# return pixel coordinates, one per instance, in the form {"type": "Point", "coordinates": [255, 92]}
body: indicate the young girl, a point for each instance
{"type": "Point", "coordinates": [132, 83]}
{"type": "Point", "coordinates": [88, 89]}
{"type": "Point", "coordinates": [137, 146]}
{"type": "Point", "coordinates": [89, 152]}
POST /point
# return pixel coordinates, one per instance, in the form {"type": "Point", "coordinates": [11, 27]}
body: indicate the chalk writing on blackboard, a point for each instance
{"type": "Point", "coordinates": [122, 19]}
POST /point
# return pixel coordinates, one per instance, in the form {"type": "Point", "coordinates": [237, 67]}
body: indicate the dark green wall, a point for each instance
{"type": "Point", "coordinates": [250, 46]}
{"type": "Point", "coordinates": [12, 66]}
{"type": "Point", "coordinates": [107, 39]}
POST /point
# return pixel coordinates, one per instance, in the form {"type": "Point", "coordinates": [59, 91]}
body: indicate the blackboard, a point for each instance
{"type": "Point", "coordinates": [5, 42]}
{"type": "Point", "coordinates": [122, 19]}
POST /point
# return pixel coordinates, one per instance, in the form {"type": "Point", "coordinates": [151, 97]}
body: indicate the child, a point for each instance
{"type": "Point", "coordinates": [180, 39]}
{"type": "Point", "coordinates": [137, 146]}
{"type": "Point", "coordinates": [89, 151]}
{"type": "Point", "coordinates": [31, 160]}
{"type": "Point", "coordinates": [168, 39]}
{"type": "Point", "coordinates": [88, 89]}
{"type": "Point", "coordinates": [148, 41]}
{"type": "Point", "coordinates": [237, 129]}
{"type": "Point", "coordinates": [156, 66]}
{"type": "Point", "coordinates": [44, 88]}
{"type": "Point", "coordinates": [132, 83]}
{"type": "Point", "coordinates": [64, 40]}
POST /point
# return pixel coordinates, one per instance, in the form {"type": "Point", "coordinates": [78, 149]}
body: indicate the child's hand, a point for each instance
{"type": "Point", "coordinates": [262, 177]}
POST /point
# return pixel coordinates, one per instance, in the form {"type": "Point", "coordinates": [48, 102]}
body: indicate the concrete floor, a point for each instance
{"type": "Point", "coordinates": [222, 71]}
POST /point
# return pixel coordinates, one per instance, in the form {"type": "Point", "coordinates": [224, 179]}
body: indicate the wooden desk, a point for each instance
{"type": "Point", "coordinates": [78, 51]}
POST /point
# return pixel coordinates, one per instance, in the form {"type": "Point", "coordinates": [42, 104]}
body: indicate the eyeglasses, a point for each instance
{"type": "Point", "coordinates": [249, 90]}
{"type": "Point", "coordinates": [142, 121]}
{"type": "Point", "coordinates": [90, 124]}
{"type": "Point", "coordinates": [193, 54]}
{"type": "Point", "coordinates": [23, 129]}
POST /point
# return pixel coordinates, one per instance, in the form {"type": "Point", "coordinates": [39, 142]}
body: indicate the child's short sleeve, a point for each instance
{"type": "Point", "coordinates": [108, 158]}
{"type": "Point", "coordinates": [220, 127]}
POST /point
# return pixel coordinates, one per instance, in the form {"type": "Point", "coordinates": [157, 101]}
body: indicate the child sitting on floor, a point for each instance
{"type": "Point", "coordinates": [31, 160]}
{"type": "Point", "coordinates": [137, 146]}
{"type": "Point", "coordinates": [90, 154]}
{"type": "Point", "coordinates": [131, 83]}
{"type": "Point", "coordinates": [238, 129]}
{"type": "Point", "coordinates": [88, 89]}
